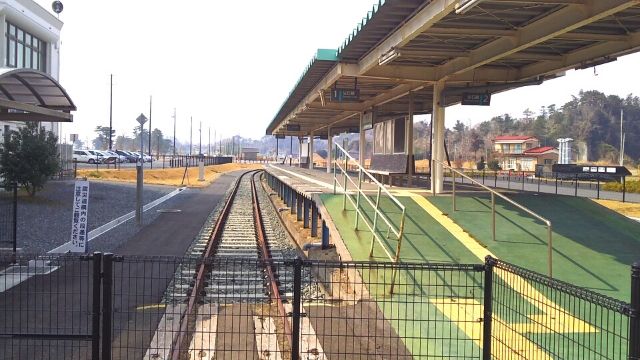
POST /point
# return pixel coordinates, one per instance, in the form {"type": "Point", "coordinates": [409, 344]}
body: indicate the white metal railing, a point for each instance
{"type": "Point", "coordinates": [495, 193]}
{"type": "Point", "coordinates": [397, 231]}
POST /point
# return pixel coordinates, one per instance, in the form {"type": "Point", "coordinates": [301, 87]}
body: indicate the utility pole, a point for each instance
{"type": "Point", "coordinates": [621, 138]}
{"type": "Point", "coordinates": [174, 131]}
{"type": "Point", "coordinates": [150, 99]}
{"type": "Point", "coordinates": [111, 113]}
{"type": "Point", "coordinates": [190, 136]}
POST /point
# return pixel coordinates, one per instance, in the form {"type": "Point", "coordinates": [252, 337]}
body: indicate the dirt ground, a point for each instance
{"type": "Point", "coordinates": [173, 177]}
{"type": "Point", "coordinates": [627, 209]}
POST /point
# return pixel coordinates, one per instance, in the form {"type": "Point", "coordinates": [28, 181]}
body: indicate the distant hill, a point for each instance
{"type": "Point", "coordinates": [591, 118]}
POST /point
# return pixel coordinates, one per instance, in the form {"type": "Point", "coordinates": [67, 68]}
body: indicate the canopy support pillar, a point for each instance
{"type": "Point", "coordinates": [362, 141]}
{"type": "Point", "coordinates": [329, 149]}
{"type": "Point", "coordinates": [311, 151]}
{"type": "Point", "coordinates": [409, 137]}
{"type": "Point", "coordinates": [299, 151]}
{"type": "Point", "coordinates": [437, 150]}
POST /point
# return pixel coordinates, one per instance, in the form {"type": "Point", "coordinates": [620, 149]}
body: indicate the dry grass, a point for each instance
{"type": "Point", "coordinates": [627, 209]}
{"type": "Point", "coordinates": [171, 177]}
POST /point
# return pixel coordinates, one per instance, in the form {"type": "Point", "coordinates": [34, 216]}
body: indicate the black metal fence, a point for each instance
{"type": "Point", "coordinates": [552, 183]}
{"type": "Point", "coordinates": [180, 161]}
{"type": "Point", "coordinates": [111, 307]}
{"type": "Point", "coordinates": [8, 218]}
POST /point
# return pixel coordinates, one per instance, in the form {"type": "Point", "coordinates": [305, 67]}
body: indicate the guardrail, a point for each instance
{"type": "Point", "coordinates": [397, 231]}
{"type": "Point", "coordinates": [495, 193]}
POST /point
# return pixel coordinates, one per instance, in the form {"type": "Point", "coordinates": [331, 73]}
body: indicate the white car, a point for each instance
{"type": "Point", "coordinates": [84, 156]}
{"type": "Point", "coordinates": [97, 156]}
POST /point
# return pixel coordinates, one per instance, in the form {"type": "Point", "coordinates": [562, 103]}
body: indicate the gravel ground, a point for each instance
{"type": "Point", "coordinates": [44, 222]}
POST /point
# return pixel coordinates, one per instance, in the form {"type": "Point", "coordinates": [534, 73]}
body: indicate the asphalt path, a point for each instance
{"type": "Point", "coordinates": [60, 302]}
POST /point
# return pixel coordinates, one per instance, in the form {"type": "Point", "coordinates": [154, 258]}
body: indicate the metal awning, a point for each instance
{"type": "Point", "coordinates": [404, 47]}
{"type": "Point", "coordinates": [31, 95]}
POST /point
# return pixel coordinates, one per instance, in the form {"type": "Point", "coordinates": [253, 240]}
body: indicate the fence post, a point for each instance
{"type": "Point", "coordinates": [598, 186]}
{"type": "Point", "coordinates": [634, 326]}
{"type": "Point", "coordinates": [576, 187]}
{"type": "Point", "coordinates": [107, 305]}
{"type": "Point", "coordinates": [295, 313]}
{"type": "Point", "coordinates": [488, 307]}
{"type": "Point", "coordinates": [523, 181]}
{"type": "Point", "coordinates": [509, 180]}
{"type": "Point", "coordinates": [556, 183]}
{"type": "Point", "coordinates": [96, 306]}
{"type": "Point", "coordinates": [15, 222]}
{"type": "Point", "coordinates": [624, 187]}
{"type": "Point", "coordinates": [495, 179]}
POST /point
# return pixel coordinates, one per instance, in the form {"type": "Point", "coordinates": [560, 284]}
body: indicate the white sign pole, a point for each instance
{"type": "Point", "coordinates": [79, 231]}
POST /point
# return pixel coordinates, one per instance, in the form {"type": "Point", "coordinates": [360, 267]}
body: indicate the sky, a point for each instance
{"type": "Point", "coordinates": [231, 64]}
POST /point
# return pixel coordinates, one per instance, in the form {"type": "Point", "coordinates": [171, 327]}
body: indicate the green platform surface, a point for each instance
{"type": "Point", "coordinates": [593, 248]}
{"type": "Point", "coordinates": [425, 240]}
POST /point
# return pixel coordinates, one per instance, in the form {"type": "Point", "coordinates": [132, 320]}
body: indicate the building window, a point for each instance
{"type": "Point", "coordinates": [378, 143]}
{"type": "Point", "coordinates": [518, 149]}
{"type": "Point", "coordinates": [398, 135]}
{"type": "Point", "coordinates": [388, 138]}
{"type": "Point", "coordinates": [25, 50]}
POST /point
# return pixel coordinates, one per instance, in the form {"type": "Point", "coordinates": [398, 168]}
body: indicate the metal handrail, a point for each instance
{"type": "Point", "coordinates": [391, 228]}
{"type": "Point", "coordinates": [495, 193]}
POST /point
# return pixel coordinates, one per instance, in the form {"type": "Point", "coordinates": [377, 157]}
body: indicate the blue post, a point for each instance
{"type": "Point", "coordinates": [299, 201]}
{"type": "Point", "coordinates": [305, 222]}
{"type": "Point", "coordinates": [293, 201]}
{"type": "Point", "coordinates": [325, 235]}
{"type": "Point", "coordinates": [314, 221]}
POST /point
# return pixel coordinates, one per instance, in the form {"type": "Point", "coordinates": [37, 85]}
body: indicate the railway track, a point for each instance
{"type": "Point", "coordinates": [238, 252]}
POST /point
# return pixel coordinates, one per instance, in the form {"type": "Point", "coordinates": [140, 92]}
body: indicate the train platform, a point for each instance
{"type": "Point", "coordinates": [433, 232]}
{"type": "Point", "coordinates": [318, 180]}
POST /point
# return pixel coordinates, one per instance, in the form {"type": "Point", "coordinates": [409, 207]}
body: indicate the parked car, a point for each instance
{"type": "Point", "coordinates": [128, 157]}
{"type": "Point", "coordinates": [96, 155]}
{"type": "Point", "coordinates": [120, 158]}
{"type": "Point", "coordinates": [83, 156]}
{"type": "Point", "coordinates": [108, 158]}
{"type": "Point", "coordinates": [147, 158]}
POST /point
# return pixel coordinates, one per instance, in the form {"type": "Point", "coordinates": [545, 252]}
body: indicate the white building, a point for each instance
{"type": "Point", "coordinates": [31, 40]}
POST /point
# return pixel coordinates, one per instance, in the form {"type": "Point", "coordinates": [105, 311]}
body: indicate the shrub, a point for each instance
{"type": "Point", "coordinates": [29, 157]}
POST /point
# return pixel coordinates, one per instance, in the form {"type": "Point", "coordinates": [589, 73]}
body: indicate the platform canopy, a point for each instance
{"type": "Point", "coordinates": [407, 46]}
{"type": "Point", "coordinates": [31, 95]}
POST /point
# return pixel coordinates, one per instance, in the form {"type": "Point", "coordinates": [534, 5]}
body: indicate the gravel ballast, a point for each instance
{"type": "Point", "coordinates": [44, 221]}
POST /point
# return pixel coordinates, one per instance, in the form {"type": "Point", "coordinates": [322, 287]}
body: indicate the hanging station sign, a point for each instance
{"type": "Point", "coordinates": [293, 127]}
{"type": "Point", "coordinates": [279, 136]}
{"type": "Point", "coordinates": [481, 99]}
{"type": "Point", "coordinates": [345, 95]}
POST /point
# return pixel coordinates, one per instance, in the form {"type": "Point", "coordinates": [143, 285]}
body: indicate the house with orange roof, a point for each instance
{"type": "Point", "coordinates": [523, 153]}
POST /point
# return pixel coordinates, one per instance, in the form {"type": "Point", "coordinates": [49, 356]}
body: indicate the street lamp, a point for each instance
{"type": "Point", "coordinates": [141, 120]}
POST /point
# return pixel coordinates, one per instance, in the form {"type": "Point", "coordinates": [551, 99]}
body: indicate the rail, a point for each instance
{"type": "Point", "coordinates": [266, 255]}
{"type": "Point", "coordinates": [397, 231]}
{"type": "Point", "coordinates": [495, 193]}
{"type": "Point", "coordinates": [181, 344]}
